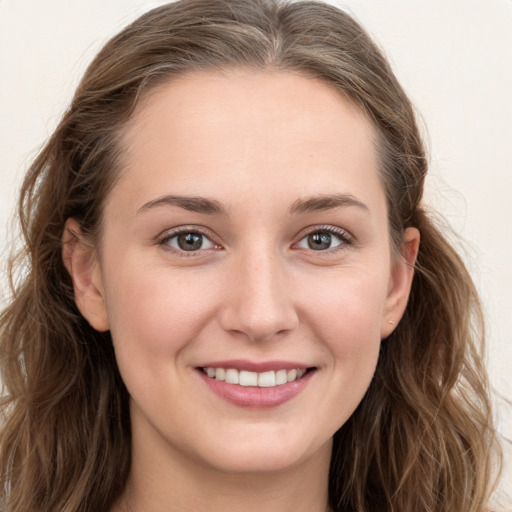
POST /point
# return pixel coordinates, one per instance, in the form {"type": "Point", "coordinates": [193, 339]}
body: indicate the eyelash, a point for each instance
{"type": "Point", "coordinates": [164, 241]}
{"type": "Point", "coordinates": [345, 239]}
{"type": "Point", "coordinates": [343, 236]}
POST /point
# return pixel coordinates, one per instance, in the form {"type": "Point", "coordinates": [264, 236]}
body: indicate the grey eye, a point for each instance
{"type": "Point", "coordinates": [190, 241]}
{"type": "Point", "coordinates": [320, 241]}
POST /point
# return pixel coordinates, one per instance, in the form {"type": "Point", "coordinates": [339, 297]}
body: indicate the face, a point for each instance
{"type": "Point", "coordinates": [246, 241]}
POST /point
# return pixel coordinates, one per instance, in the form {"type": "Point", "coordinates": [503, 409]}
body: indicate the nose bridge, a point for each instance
{"type": "Point", "coordinates": [259, 301]}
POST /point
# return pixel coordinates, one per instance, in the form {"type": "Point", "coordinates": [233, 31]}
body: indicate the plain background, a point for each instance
{"type": "Point", "coordinates": [454, 58]}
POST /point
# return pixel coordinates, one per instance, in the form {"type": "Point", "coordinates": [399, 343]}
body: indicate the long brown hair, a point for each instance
{"type": "Point", "coordinates": [422, 439]}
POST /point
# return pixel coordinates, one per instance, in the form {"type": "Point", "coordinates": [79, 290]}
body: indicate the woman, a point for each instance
{"type": "Point", "coordinates": [235, 297]}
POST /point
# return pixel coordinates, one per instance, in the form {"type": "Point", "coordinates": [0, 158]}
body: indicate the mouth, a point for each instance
{"type": "Point", "coordinates": [257, 385]}
{"type": "Point", "coordinates": [265, 379]}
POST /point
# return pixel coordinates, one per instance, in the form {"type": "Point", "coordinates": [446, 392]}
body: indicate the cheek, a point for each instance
{"type": "Point", "coordinates": [155, 312]}
{"type": "Point", "coordinates": [155, 316]}
{"type": "Point", "coordinates": [349, 307]}
{"type": "Point", "coordinates": [346, 318]}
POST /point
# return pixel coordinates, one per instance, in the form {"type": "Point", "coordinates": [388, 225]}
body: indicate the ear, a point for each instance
{"type": "Point", "coordinates": [400, 282]}
{"type": "Point", "coordinates": [80, 260]}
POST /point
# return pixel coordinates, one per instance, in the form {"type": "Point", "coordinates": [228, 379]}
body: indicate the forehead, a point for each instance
{"type": "Point", "coordinates": [247, 131]}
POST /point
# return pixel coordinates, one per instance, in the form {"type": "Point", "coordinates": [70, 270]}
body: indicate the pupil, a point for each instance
{"type": "Point", "coordinates": [319, 241]}
{"type": "Point", "coordinates": [190, 241]}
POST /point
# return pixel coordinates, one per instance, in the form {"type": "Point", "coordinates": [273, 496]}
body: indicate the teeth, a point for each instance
{"type": "Point", "coordinates": [248, 378]}
{"type": "Point", "coordinates": [281, 377]}
{"type": "Point", "coordinates": [263, 380]}
{"type": "Point", "coordinates": [232, 376]}
{"type": "Point", "coordinates": [267, 379]}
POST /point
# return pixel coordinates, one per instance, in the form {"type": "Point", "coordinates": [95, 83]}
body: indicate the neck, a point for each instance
{"type": "Point", "coordinates": [176, 483]}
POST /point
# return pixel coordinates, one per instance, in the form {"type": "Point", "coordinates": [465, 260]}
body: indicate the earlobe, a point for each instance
{"type": "Point", "coordinates": [80, 260]}
{"type": "Point", "coordinates": [402, 275]}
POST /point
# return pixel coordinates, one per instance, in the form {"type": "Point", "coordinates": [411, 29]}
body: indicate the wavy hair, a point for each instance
{"type": "Point", "coordinates": [422, 439]}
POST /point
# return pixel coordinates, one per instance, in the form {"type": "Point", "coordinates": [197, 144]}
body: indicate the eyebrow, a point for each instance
{"type": "Point", "coordinates": [326, 202]}
{"type": "Point", "coordinates": [212, 207]}
{"type": "Point", "coordinates": [189, 203]}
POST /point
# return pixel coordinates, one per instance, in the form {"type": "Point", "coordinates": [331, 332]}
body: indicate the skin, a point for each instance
{"type": "Point", "coordinates": [257, 143]}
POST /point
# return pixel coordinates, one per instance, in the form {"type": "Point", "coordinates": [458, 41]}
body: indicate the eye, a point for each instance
{"type": "Point", "coordinates": [188, 241]}
{"type": "Point", "coordinates": [324, 239]}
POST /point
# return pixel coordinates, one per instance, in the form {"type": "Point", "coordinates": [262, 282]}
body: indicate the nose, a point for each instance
{"type": "Point", "coordinates": [258, 303]}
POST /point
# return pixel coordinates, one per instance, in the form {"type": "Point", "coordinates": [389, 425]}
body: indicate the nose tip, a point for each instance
{"type": "Point", "coordinates": [259, 320]}
{"type": "Point", "coordinates": [259, 302]}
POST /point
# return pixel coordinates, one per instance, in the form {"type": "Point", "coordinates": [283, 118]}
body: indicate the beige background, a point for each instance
{"type": "Point", "coordinates": [454, 57]}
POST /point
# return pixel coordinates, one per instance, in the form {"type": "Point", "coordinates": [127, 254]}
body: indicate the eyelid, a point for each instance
{"type": "Point", "coordinates": [165, 236]}
{"type": "Point", "coordinates": [345, 237]}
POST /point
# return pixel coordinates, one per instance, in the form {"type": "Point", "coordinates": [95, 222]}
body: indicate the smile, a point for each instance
{"type": "Point", "coordinates": [260, 385]}
{"type": "Point", "coordinates": [267, 379]}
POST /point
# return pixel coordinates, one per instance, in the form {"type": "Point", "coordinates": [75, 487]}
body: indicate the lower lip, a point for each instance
{"type": "Point", "coordinates": [255, 397]}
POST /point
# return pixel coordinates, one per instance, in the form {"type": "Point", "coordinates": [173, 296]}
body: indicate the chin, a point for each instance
{"type": "Point", "coordinates": [264, 455]}
{"type": "Point", "coordinates": [252, 463]}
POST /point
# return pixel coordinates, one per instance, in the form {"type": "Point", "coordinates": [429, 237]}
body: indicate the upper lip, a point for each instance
{"type": "Point", "coordinates": [252, 366]}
